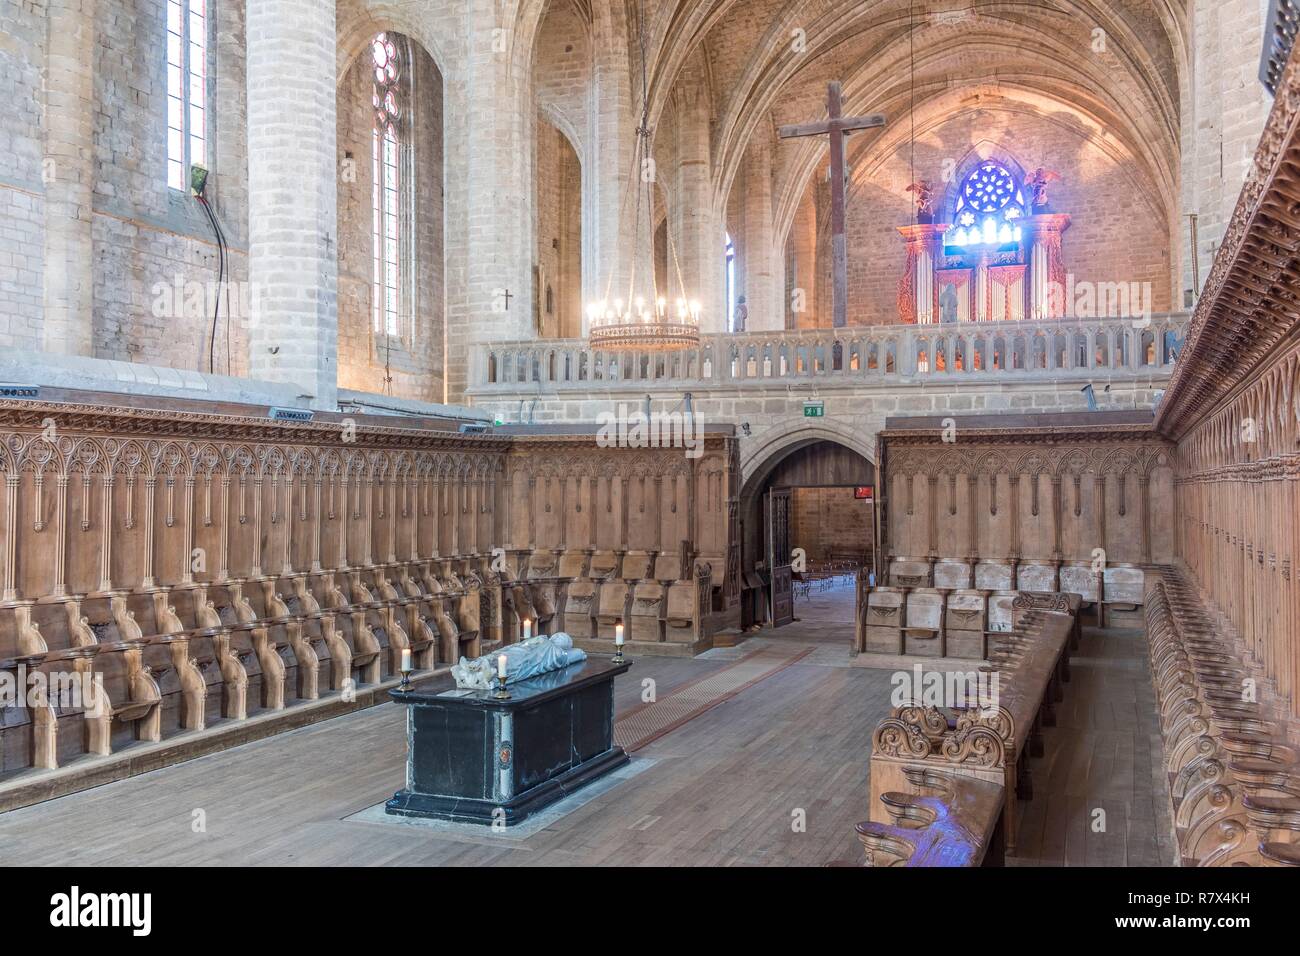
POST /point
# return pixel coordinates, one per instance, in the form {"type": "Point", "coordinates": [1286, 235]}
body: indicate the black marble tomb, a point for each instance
{"type": "Point", "coordinates": [473, 758]}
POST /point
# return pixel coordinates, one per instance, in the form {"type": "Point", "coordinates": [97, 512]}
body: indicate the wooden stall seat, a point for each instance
{"type": "Point", "coordinates": [1081, 578]}
{"type": "Point", "coordinates": [995, 576]}
{"type": "Point", "coordinates": [648, 613]}
{"type": "Point", "coordinates": [942, 819]}
{"type": "Point", "coordinates": [910, 573]}
{"type": "Point", "coordinates": [688, 605]}
{"type": "Point", "coordinates": [1001, 610]}
{"type": "Point", "coordinates": [545, 584]}
{"type": "Point", "coordinates": [612, 607]}
{"type": "Point", "coordinates": [1234, 778]}
{"type": "Point", "coordinates": [604, 565]}
{"type": "Point", "coordinates": [113, 620]}
{"type": "Point", "coordinates": [166, 659]}
{"type": "Point", "coordinates": [638, 566]}
{"type": "Point", "coordinates": [121, 701]}
{"type": "Point", "coordinates": [923, 630]}
{"type": "Point", "coordinates": [883, 626]}
{"type": "Point", "coordinates": [965, 621]}
{"type": "Point", "coordinates": [583, 599]}
{"type": "Point", "coordinates": [519, 605]}
{"type": "Point", "coordinates": [1124, 586]}
{"type": "Point", "coordinates": [1037, 576]}
{"type": "Point", "coordinates": [440, 613]}
{"type": "Point", "coordinates": [954, 574]}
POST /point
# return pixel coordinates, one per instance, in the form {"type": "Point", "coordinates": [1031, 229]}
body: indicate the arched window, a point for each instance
{"type": "Point", "coordinates": [187, 54]}
{"type": "Point", "coordinates": [731, 283]}
{"type": "Point", "coordinates": [385, 147]}
{"type": "Point", "coordinates": [990, 202]}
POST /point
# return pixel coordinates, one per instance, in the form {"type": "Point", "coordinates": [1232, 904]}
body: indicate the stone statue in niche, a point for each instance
{"type": "Point", "coordinates": [925, 196]}
{"type": "Point", "coordinates": [948, 304]}
{"type": "Point", "coordinates": [537, 655]}
{"type": "Point", "coordinates": [1038, 182]}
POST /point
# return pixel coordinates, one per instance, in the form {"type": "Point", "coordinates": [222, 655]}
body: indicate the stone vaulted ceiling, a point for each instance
{"type": "Point", "coordinates": [1113, 69]}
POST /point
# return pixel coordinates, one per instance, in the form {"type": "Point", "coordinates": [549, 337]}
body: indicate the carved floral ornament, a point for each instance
{"type": "Point", "coordinates": [1056, 461]}
{"type": "Point", "coordinates": [1260, 423]}
{"type": "Point", "coordinates": [181, 461]}
{"type": "Point", "coordinates": [606, 463]}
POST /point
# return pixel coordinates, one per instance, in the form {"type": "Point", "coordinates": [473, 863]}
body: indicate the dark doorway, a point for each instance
{"type": "Point", "coordinates": [773, 524]}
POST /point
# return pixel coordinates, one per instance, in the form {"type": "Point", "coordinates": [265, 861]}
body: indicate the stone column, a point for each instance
{"type": "Point", "coordinates": [609, 240]}
{"type": "Point", "coordinates": [292, 179]}
{"type": "Point", "coordinates": [68, 174]}
{"type": "Point", "coordinates": [697, 241]}
{"type": "Point", "coordinates": [764, 271]}
{"type": "Point", "coordinates": [803, 232]}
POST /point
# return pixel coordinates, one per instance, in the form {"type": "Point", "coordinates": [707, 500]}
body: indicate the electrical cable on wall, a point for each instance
{"type": "Point", "coordinates": [198, 184]}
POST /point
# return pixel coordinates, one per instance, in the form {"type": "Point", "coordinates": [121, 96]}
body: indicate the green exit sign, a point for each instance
{"type": "Point", "coordinates": [814, 409]}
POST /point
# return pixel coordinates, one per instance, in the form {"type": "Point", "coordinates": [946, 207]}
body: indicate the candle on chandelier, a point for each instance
{"type": "Point", "coordinates": [501, 667]}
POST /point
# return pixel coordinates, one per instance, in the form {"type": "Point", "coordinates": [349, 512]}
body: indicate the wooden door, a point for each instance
{"type": "Point", "coordinates": [778, 556]}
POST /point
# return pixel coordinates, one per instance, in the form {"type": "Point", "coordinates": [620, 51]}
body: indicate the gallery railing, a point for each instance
{"type": "Point", "coordinates": [972, 351]}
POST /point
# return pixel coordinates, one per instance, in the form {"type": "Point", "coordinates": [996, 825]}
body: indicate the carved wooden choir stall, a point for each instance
{"type": "Point", "coordinates": [170, 573]}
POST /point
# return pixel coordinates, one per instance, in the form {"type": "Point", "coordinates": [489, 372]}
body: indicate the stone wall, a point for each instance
{"type": "Point", "coordinates": [854, 415]}
{"type": "Point", "coordinates": [22, 208]}
{"type": "Point", "coordinates": [558, 180]}
{"type": "Point", "coordinates": [1224, 115]}
{"type": "Point", "coordinates": [827, 521]}
{"type": "Point", "coordinates": [1117, 234]}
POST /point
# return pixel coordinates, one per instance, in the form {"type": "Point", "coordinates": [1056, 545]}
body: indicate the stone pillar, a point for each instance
{"type": "Point", "coordinates": [803, 288]}
{"type": "Point", "coordinates": [68, 174]}
{"type": "Point", "coordinates": [1049, 296]}
{"type": "Point", "coordinates": [608, 232]}
{"type": "Point", "coordinates": [697, 241]}
{"type": "Point", "coordinates": [292, 199]}
{"type": "Point", "coordinates": [764, 273]}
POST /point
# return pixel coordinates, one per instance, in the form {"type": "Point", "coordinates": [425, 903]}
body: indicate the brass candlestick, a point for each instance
{"type": "Point", "coordinates": [405, 685]}
{"type": "Point", "coordinates": [618, 643]}
{"type": "Point", "coordinates": [502, 693]}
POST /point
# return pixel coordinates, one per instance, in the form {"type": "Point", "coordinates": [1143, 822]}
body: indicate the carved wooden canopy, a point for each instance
{"type": "Point", "coordinates": [1249, 305]}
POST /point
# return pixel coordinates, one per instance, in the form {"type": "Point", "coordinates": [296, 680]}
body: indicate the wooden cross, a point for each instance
{"type": "Point", "coordinates": [838, 127]}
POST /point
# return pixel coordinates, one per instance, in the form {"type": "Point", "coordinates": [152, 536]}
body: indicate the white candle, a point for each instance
{"type": "Point", "coordinates": [501, 666]}
{"type": "Point", "coordinates": [618, 634]}
{"type": "Point", "coordinates": [406, 658]}
{"type": "Point", "coordinates": [528, 629]}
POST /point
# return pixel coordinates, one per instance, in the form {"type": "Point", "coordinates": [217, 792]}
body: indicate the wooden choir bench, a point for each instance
{"type": "Point", "coordinates": [1234, 777]}
{"type": "Point", "coordinates": [161, 660]}
{"type": "Point", "coordinates": [946, 820]}
{"type": "Point", "coordinates": [945, 781]}
{"type": "Point", "coordinates": [662, 598]}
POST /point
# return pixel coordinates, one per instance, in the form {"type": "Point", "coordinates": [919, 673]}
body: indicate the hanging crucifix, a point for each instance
{"type": "Point", "coordinates": [838, 127]}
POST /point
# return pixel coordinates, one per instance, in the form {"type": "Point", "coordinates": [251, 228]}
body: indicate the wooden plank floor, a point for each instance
{"type": "Point", "coordinates": [1103, 754]}
{"type": "Point", "coordinates": [724, 789]}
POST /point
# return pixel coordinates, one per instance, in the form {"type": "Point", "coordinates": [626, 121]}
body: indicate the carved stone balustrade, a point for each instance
{"type": "Point", "coordinates": [969, 352]}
